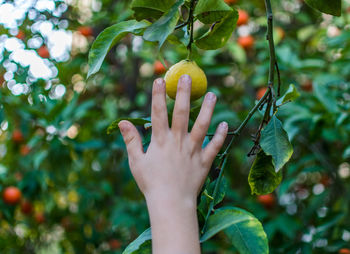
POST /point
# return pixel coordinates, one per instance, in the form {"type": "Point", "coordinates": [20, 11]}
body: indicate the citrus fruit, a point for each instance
{"type": "Point", "coordinates": [17, 136]}
{"type": "Point", "coordinates": [344, 251]}
{"type": "Point", "coordinates": [243, 18]}
{"type": "Point", "coordinates": [261, 92]}
{"type": "Point", "coordinates": [26, 207]}
{"type": "Point", "coordinates": [43, 52]}
{"type": "Point", "coordinates": [246, 42]}
{"type": "Point", "coordinates": [159, 68]}
{"type": "Point", "coordinates": [12, 195]}
{"type": "Point", "coordinates": [199, 80]}
{"type": "Point", "coordinates": [85, 30]}
{"type": "Point", "coordinates": [267, 200]}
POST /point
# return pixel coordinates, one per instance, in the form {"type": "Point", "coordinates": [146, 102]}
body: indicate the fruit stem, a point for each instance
{"type": "Point", "coordinates": [190, 28]}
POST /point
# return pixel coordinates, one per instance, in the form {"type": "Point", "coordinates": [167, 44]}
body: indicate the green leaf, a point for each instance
{"type": "Point", "coordinates": [141, 244]}
{"type": "Point", "coordinates": [274, 141]}
{"type": "Point", "coordinates": [332, 7]}
{"type": "Point", "coordinates": [108, 38]}
{"type": "Point", "coordinates": [136, 121]}
{"type": "Point", "coordinates": [291, 94]}
{"type": "Point", "coordinates": [146, 9]}
{"type": "Point", "coordinates": [162, 28]}
{"type": "Point", "coordinates": [219, 35]}
{"type": "Point", "coordinates": [263, 178]}
{"type": "Point", "coordinates": [242, 228]}
{"type": "Point", "coordinates": [210, 11]}
{"type": "Point", "coordinates": [346, 153]}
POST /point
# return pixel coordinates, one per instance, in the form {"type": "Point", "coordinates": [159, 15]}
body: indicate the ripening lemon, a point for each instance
{"type": "Point", "coordinates": [199, 80]}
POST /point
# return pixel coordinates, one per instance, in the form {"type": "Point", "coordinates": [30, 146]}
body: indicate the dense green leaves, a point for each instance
{"type": "Point", "coordinates": [210, 11]}
{"type": "Point", "coordinates": [332, 7]}
{"type": "Point", "coordinates": [225, 19]}
{"type": "Point", "coordinates": [108, 38]}
{"type": "Point", "coordinates": [162, 28]}
{"type": "Point", "coordinates": [136, 121]}
{"type": "Point", "coordinates": [141, 245]}
{"type": "Point", "coordinates": [263, 178]}
{"type": "Point", "coordinates": [242, 228]}
{"type": "Point", "coordinates": [218, 36]}
{"type": "Point", "coordinates": [150, 9]}
{"type": "Point", "coordinates": [274, 141]}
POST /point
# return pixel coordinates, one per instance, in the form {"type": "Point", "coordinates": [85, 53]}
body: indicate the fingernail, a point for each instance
{"type": "Point", "coordinates": [122, 126]}
{"type": "Point", "coordinates": [211, 96]}
{"type": "Point", "coordinates": [223, 126]}
{"type": "Point", "coordinates": [185, 78]}
{"type": "Point", "coordinates": [159, 82]}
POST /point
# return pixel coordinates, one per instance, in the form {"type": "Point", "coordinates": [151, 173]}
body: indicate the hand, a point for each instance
{"type": "Point", "coordinates": [175, 162]}
{"type": "Point", "coordinates": [173, 169]}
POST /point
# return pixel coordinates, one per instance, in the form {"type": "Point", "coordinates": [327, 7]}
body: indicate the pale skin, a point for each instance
{"type": "Point", "coordinates": [172, 171]}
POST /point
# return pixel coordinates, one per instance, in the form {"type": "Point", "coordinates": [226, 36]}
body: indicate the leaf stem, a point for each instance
{"type": "Point", "coordinates": [216, 188]}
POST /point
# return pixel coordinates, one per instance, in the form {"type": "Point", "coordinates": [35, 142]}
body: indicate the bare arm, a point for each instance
{"type": "Point", "coordinates": [172, 171]}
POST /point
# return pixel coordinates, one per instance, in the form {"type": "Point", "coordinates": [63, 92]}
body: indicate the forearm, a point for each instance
{"type": "Point", "coordinates": [174, 225]}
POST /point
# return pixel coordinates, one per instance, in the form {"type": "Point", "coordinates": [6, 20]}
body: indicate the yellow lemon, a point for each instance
{"type": "Point", "coordinates": [199, 80]}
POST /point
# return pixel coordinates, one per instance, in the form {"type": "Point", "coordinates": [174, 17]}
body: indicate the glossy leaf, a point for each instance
{"type": "Point", "coordinates": [162, 28]}
{"type": "Point", "coordinates": [136, 121]}
{"type": "Point", "coordinates": [219, 35]}
{"type": "Point", "coordinates": [242, 228]}
{"type": "Point", "coordinates": [291, 94]}
{"type": "Point", "coordinates": [210, 11]}
{"type": "Point", "coordinates": [108, 38]}
{"type": "Point", "coordinates": [263, 178]}
{"type": "Point", "coordinates": [332, 7]}
{"type": "Point", "coordinates": [274, 141]}
{"type": "Point", "coordinates": [146, 9]}
{"type": "Point", "coordinates": [141, 244]}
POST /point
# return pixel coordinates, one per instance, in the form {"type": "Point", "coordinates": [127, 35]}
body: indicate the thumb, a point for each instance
{"type": "Point", "coordinates": [131, 138]}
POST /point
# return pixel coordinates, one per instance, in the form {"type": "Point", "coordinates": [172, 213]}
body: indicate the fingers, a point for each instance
{"type": "Point", "coordinates": [202, 123]}
{"type": "Point", "coordinates": [182, 106]}
{"type": "Point", "coordinates": [214, 146]}
{"type": "Point", "coordinates": [159, 110]}
{"type": "Point", "coordinates": [132, 139]}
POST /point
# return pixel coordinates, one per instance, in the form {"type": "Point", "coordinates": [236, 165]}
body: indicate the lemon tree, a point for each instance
{"type": "Point", "coordinates": [173, 22]}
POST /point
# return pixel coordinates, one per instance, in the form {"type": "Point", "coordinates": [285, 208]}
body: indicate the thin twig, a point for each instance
{"type": "Point", "coordinates": [279, 79]}
{"type": "Point", "coordinates": [181, 25]}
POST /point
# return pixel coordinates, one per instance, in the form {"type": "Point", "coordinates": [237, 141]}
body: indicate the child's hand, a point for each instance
{"type": "Point", "coordinates": [175, 163]}
{"type": "Point", "coordinates": [172, 171]}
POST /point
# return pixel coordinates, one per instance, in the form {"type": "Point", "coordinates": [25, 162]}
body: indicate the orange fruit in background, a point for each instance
{"type": "Point", "coordinates": [24, 150]}
{"type": "Point", "coordinates": [11, 195]}
{"type": "Point", "coordinates": [281, 33]}
{"type": "Point", "coordinates": [159, 68]}
{"type": "Point", "coordinates": [39, 217]}
{"type": "Point", "coordinates": [229, 2]}
{"type": "Point", "coordinates": [260, 93]}
{"type": "Point", "coordinates": [307, 86]}
{"type": "Point", "coordinates": [85, 30]}
{"type": "Point", "coordinates": [243, 18]}
{"type": "Point", "coordinates": [268, 200]}
{"type": "Point", "coordinates": [246, 42]}
{"type": "Point", "coordinates": [43, 52]}
{"type": "Point", "coordinates": [26, 207]}
{"type": "Point", "coordinates": [20, 35]}
{"type": "Point", "coordinates": [17, 136]}
{"type": "Point", "coordinates": [114, 244]}
{"type": "Point", "coordinates": [344, 251]}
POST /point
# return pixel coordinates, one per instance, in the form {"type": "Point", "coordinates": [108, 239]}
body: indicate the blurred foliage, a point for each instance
{"type": "Point", "coordinates": [76, 176]}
